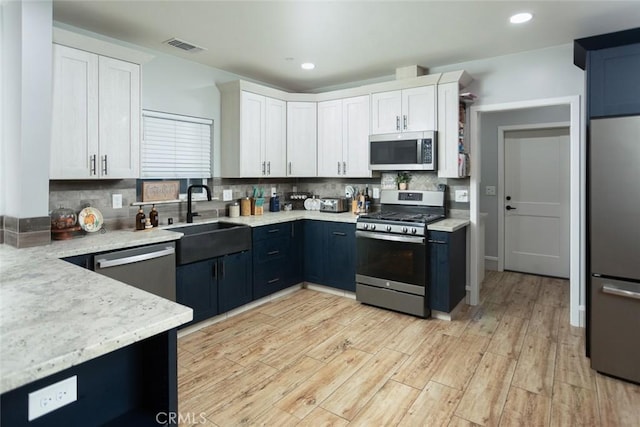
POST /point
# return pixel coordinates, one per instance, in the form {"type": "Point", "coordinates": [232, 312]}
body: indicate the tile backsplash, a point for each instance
{"type": "Point", "coordinates": [80, 194]}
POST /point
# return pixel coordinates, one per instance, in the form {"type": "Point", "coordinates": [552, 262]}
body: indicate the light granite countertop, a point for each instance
{"type": "Point", "coordinates": [54, 315]}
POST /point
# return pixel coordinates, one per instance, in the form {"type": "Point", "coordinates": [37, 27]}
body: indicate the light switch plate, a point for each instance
{"type": "Point", "coordinates": [490, 190]}
{"type": "Point", "coordinates": [462, 196]}
{"type": "Point", "coordinates": [376, 192]}
{"type": "Point", "coordinates": [116, 201]}
{"type": "Point", "coordinates": [52, 397]}
{"type": "Point", "coordinates": [273, 191]}
{"type": "Point", "coordinates": [227, 195]}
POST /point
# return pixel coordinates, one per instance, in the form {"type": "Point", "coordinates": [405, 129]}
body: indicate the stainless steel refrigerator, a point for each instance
{"type": "Point", "coordinates": [614, 247]}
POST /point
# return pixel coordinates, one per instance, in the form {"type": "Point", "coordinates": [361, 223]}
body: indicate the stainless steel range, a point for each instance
{"type": "Point", "coordinates": [392, 269]}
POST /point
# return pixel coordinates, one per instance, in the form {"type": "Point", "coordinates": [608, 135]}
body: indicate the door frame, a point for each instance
{"type": "Point", "coordinates": [501, 178]}
{"type": "Point", "coordinates": [577, 187]}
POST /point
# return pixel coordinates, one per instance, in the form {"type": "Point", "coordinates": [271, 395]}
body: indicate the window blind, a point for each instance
{"type": "Point", "coordinates": [175, 146]}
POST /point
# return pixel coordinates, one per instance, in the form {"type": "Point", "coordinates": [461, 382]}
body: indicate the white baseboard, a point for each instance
{"type": "Point", "coordinates": [329, 290]}
{"type": "Point", "coordinates": [582, 316]}
{"type": "Point", "coordinates": [491, 263]}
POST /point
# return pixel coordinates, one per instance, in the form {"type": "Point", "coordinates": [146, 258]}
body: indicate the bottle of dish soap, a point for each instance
{"type": "Point", "coordinates": [140, 219]}
{"type": "Point", "coordinates": [153, 216]}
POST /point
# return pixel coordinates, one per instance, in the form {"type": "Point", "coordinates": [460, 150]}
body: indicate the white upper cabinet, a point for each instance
{"type": "Point", "coordinates": [96, 116]}
{"type": "Point", "coordinates": [343, 137]}
{"type": "Point", "coordinates": [451, 126]}
{"type": "Point", "coordinates": [253, 135]}
{"type": "Point", "coordinates": [406, 110]}
{"type": "Point", "coordinates": [301, 139]}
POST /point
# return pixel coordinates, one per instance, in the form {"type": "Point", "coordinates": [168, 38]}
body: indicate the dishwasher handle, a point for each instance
{"type": "Point", "coordinates": [106, 263]}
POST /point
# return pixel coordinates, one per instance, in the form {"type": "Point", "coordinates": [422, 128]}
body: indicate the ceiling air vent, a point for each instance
{"type": "Point", "coordinates": [186, 46]}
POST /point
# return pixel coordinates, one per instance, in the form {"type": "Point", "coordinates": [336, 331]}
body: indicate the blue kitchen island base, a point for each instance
{"type": "Point", "coordinates": [132, 386]}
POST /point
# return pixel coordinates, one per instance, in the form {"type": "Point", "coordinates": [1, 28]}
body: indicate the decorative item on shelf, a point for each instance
{"type": "Point", "coordinates": [402, 179]}
{"type": "Point", "coordinates": [63, 223]}
{"type": "Point", "coordinates": [155, 191]}
{"type": "Point", "coordinates": [153, 216]}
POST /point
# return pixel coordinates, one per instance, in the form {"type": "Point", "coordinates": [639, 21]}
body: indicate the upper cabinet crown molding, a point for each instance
{"type": "Point", "coordinates": [101, 47]}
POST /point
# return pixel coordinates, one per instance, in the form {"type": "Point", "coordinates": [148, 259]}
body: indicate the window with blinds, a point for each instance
{"type": "Point", "coordinates": [175, 146]}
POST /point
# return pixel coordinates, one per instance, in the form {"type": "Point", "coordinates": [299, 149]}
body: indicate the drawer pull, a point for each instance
{"type": "Point", "coordinates": [616, 290]}
{"type": "Point", "coordinates": [272, 281]}
{"type": "Point", "coordinates": [273, 230]}
{"type": "Point", "coordinates": [273, 253]}
{"type": "Point", "coordinates": [338, 233]}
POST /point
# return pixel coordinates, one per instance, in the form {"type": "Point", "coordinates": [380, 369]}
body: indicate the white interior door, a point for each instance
{"type": "Point", "coordinates": [536, 217]}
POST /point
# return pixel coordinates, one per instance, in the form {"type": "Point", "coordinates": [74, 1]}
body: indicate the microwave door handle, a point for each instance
{"type": "Point", "coordinates": [419, 146]}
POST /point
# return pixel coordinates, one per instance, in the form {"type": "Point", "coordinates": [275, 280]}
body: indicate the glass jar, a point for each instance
{"type": "Point", "coordinates": [63, 218]}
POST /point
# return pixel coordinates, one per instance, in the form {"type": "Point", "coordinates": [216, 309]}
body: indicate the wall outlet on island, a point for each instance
{"type": "Point", "coordinates": [52, 397]}
{"type": "Point", "coordinates": [227, 195]}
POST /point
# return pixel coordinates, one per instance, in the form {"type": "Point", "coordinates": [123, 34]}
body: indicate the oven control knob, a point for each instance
{"type": "Point", "coordinates": [405, 229]}
{"type": "Point", "coordinates": [388, 228]}
{"type": "Point", "coordinates": [365, 226]}
{"type": "Point", "coordinates": [414, 231]}
{"type": "Point", "coordinates": [373, 227]}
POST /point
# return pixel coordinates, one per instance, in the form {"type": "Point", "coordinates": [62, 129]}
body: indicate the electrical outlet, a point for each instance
{"type": "Point", "coordinates": [376, 192]}
{"type": "Point", "coordinates": [53, 397]}
{"type": "Point", "coordinates": [116, 201]}
{"type": "Point", "coordinates": [490, 190]}
{"type": "Point", "coordinates": [273, 191]}
{"type": "Point", "coordinates": [227, 195]}
{"type": "Point", "coordinates": [462, 196]}
{"type": "Point", "coordinates": [294, 188]}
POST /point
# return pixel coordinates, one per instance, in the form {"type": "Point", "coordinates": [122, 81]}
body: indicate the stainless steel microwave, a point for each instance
{"type": "Point", "coordinates": [403, 151]}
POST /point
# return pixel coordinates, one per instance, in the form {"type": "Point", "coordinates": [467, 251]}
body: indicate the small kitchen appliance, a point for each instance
{"type": "Point", "coordinates": [335, 205]}
{"type": "Point", "coordinates": [392, 260]}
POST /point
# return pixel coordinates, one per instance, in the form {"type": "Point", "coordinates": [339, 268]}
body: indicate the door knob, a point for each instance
{"type": "Point", "coordinates": [510, 208]}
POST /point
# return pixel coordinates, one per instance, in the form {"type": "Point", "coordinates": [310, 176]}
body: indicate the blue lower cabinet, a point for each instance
{"type": "Point", "coordinates": [330, 254]}
{"type": "Point", "coordinates": [197, 287]}
{"type": "Point", "coordinates": [216, 285]}
{"type": "Point", "coordinates": [234, 281]}
{"type": "Point", "coordinates": [276, 257]}
{"type": "Point", "coordinates": [447, 252]}
{"type": "Point", "coordinates": [340, 256]}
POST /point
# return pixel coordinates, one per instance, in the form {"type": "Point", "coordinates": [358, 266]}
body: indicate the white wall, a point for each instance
{"type": "Point", "coordinates": [26, 119]}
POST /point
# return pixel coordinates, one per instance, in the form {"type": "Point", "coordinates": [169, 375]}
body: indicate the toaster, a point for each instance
{"type": "Point", "coordinates": [336, 205]}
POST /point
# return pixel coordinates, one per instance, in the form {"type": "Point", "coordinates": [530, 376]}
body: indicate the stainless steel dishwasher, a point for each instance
{"type": "Point", "coordinates": [151, 268]}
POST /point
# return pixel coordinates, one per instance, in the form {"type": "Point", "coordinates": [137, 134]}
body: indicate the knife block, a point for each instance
{"type": "Point", "coordinates": [257, 206]}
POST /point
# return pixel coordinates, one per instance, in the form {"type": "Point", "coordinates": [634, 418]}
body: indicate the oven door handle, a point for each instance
{"type": "Point", "coordinates": [390, 237]}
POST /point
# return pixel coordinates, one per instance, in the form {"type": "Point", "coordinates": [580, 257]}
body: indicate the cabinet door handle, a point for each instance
{"type": "Point", "coordinates": [338, 168]}
{"type": "Point", "coordinates": [404, 119]}
{"type": "Point", "coordinates": [92, 165]}
{"type": "Point", "coordinates": [397, 122]}
{"type": "Point", "coordinates": [104, 168]}
{"type": "Point", "coordinates": [436, 241]}
{"type": "Point", "coordinates": [289, 168]}
{"type": "Point", "coordinates": [620, 291]}
{"type": "Point", "coordinates": [344, 168]}
{"type": "Point", "coordinates": [272, 281]}
{"type": "Point", "coordinates": [339, 233]}
{"type": "Point", "coordinates": [264, 167]}
{"type": "Point", "coordinates": [273, 252]}
{"type": "Point", "coordinates": [221, 269]}
{"type": "Point", "coordinates": [269, 168]}
{"type": "Point", "coordinates": [214, 270]}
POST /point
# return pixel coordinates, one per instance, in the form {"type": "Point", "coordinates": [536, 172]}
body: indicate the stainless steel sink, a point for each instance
{"type": "Point", "coordinates": [210, 240]}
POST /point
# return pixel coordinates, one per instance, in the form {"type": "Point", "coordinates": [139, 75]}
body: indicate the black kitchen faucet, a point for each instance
{"type": "Point", "coordinates": [191, 214]}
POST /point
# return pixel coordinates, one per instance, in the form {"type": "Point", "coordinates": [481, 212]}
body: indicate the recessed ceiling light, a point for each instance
{"type": "Point", "coordinates": [520, 18]}
{"type": "Point", "coordinates": [308, 66]}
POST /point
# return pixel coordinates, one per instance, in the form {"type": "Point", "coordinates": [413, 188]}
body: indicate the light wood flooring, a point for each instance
{"type": "Point", "coordinates": [315, 359]}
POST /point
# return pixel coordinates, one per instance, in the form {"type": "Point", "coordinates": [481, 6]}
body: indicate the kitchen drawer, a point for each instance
{"type": "Point", "coordinates": [270, 231]}
{"type": "Point", "coordinates": [272, 249]}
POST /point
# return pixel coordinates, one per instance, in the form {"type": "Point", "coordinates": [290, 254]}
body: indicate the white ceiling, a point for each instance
{"type": "Point", "coordinates": [347, 40]}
